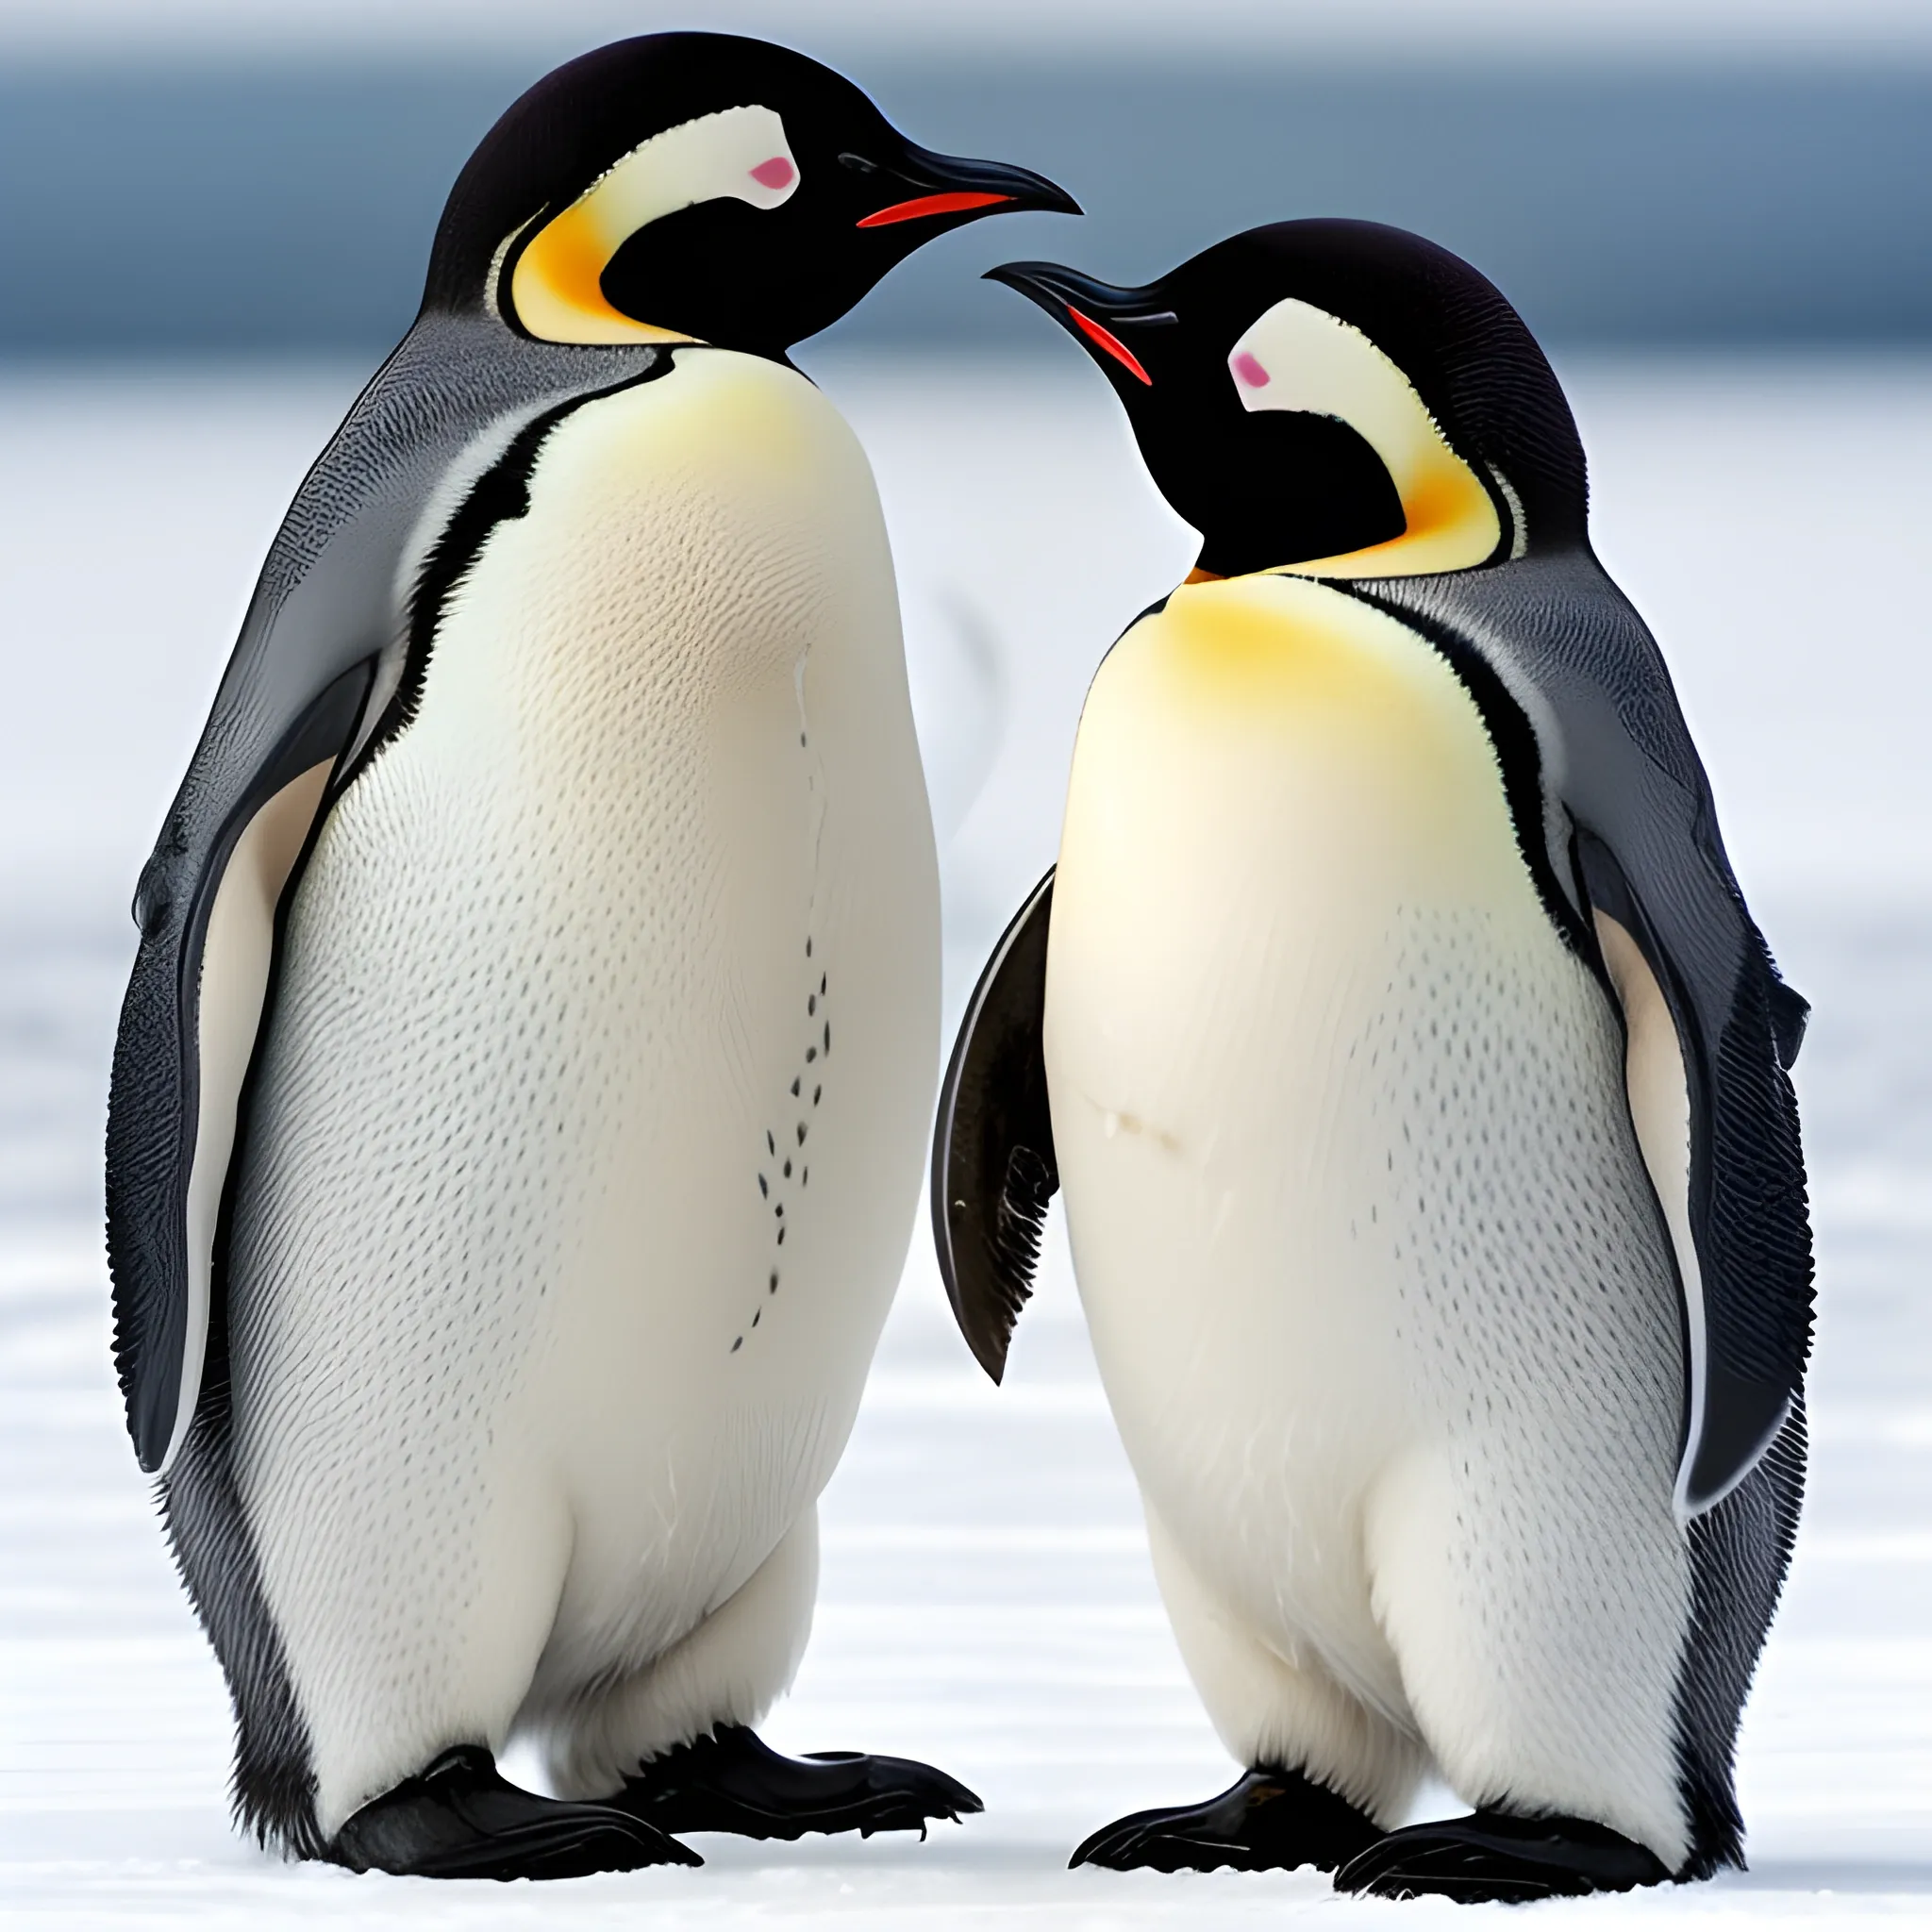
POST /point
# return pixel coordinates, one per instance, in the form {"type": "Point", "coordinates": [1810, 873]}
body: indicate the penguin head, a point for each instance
{"type": "Point", "coordinates": [698, 187]}
{"type": "Point", "coordinates": [1334, 397]}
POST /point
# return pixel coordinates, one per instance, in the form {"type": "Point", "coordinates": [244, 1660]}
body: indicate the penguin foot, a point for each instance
{"type": "Point", "coordinates": [1490, 1857]}
{"type": "Point", "coordinates": [461, 1819]}
{"type": "Point", "coordinates": [732, 1781]}
{"type": "Point", "coordinates": [1268, 1821]}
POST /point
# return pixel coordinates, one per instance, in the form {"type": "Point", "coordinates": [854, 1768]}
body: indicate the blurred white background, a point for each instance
{"type": "Point", "coordinates": [1761, 495]}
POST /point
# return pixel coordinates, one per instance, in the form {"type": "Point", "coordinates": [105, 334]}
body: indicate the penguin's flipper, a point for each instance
{"type": "Point", "coordinates": [1492, 1858]}
{"type": "Point", "coordinates": [993, 1170]}
{"type": "Point", "coordinates": [1717, 1126]}
{"type": "Point", "coordinates": [1571, 680]}
{"type": "Point", "coordinates": [1268, 1821]}
{"type": "Point", "coordinates": [205, 907]}
{"type": "Point", "coordinates": [287, 707]}
{"type": "Point", "coordinates": [460, 1818]}
{"type": "Point", "coordinates": [733, 1781]}
{"type": "Point", "coordinates": [423, 465]}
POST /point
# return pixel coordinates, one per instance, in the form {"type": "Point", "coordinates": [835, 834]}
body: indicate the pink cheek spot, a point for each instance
{"type": "Point", "coordinates": [776, 173]}
{"type": "Point", "coordinates": [1250, 371]}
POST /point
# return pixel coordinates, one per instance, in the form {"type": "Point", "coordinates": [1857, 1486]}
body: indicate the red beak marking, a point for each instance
{"type": "Point", "coordinates": [1110, 342]}
{"type": "Point", "coordinates": [929, 205]}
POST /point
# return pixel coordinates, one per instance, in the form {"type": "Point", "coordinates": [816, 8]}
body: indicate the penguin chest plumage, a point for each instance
{"type": "Point", "coordinates": [573, 1192]}
{"type": "Point", "coordinates": [1358, 1213]}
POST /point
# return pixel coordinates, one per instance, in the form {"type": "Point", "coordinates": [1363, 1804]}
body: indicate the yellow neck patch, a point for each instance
{"type": "Point", "coordinates": [556, 288]}
{"type": "Point", "coordinates": [1299, 357]}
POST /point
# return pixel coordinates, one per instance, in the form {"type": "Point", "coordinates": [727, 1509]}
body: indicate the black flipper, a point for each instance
{"type": "Point", "coordinates": [332, 606]}
{"type": "Point", "coordinates": [1626, 779]}
{"type": "Point", "coordinates": [1492, 1858]}
{"type": "Point", "coordinates": [1268, 1820]}
{"type": "Point", "coordinates": [734, 1781]}
{"type": "Point", "coordinates": [994, 1171]}
{"type": "Point", "coordinates": [461, 1819]}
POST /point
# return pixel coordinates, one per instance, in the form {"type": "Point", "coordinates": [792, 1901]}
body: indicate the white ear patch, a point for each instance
{"type": "Point", "coordinates": [1299, 357]}
{"type": "Point", "coordinates": [741, 153]}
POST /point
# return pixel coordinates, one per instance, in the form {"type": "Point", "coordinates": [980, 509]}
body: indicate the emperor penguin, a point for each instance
{"type": "Point", "coordinates": [519, 1103]}
{"type": "Point", "coordinates": [1416, 1079]}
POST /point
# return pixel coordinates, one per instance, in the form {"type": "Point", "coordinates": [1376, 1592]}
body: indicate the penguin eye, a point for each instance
{"type": "Point", "coordinates": [859, 164]}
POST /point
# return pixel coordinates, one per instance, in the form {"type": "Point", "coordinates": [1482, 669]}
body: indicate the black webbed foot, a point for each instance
{"type": "Point", "coordinates": [461, 1819]}
{"type": "Point", "coordinates": [1490, 1857]}
{"type": "Point", "coordinates": [731, 1781]}
{"type": "Point", "coordinates": [1268, 1821]}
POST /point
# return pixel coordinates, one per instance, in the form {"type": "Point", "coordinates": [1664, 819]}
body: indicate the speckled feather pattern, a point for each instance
{"type": "Point", "coordinates": [1538, 1599]}
{"type": "Point", "coordinates": [326, 601]}
{"type": "Point", "coordinates": [1379, 1290]}
{"type": "Point", "coordinates": [567, 1219]}
{"type": "Point", "coordinates": [1635, 780]}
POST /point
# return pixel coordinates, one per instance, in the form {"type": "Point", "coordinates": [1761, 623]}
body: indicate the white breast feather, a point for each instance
{"type": "Point", "coordinates": [1378, 1285]}
{"type": "Point", "coordinates": [527, 1156]}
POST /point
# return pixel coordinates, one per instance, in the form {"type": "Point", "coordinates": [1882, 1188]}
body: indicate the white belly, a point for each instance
{"type": "Point", "coordinates": [1360, 1226]}
{"type": "Point", "coordinates": [588, 1136]}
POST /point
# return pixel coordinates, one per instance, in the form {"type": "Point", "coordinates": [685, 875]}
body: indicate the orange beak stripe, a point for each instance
{"type": "Point", "coordinates": [930, 205]}
{"type": "Point", "coordinates": [1110, 342]}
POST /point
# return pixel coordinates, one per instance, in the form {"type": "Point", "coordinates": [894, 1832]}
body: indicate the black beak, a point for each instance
{"type": "Point", "coordinates": [1091, 311]}
{"type": "Point", "coordinates": [925, 187]}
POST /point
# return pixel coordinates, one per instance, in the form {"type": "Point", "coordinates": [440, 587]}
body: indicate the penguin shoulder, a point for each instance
{"type": "Point", "coordinates": [753, 438]}
{"type": "Point", "coordinates": [1273, 646]}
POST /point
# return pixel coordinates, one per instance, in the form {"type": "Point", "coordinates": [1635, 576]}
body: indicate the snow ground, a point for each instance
{"type": "Point", "coordinates": [987, 1601]}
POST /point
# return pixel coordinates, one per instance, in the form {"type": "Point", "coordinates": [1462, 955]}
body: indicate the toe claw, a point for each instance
{"type": "Point", "coordinates": [731, 1781]}
{"type": "Point", "coordinates": [1269, 1820]}
{"type": "Point", "coordinates": [1499, 1859]}
{"type": "Point", "coordinates": [460, 1817]}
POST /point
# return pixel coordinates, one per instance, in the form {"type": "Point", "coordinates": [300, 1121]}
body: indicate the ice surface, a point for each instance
{"type": "Point", "coordinates": [986, 1602]}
